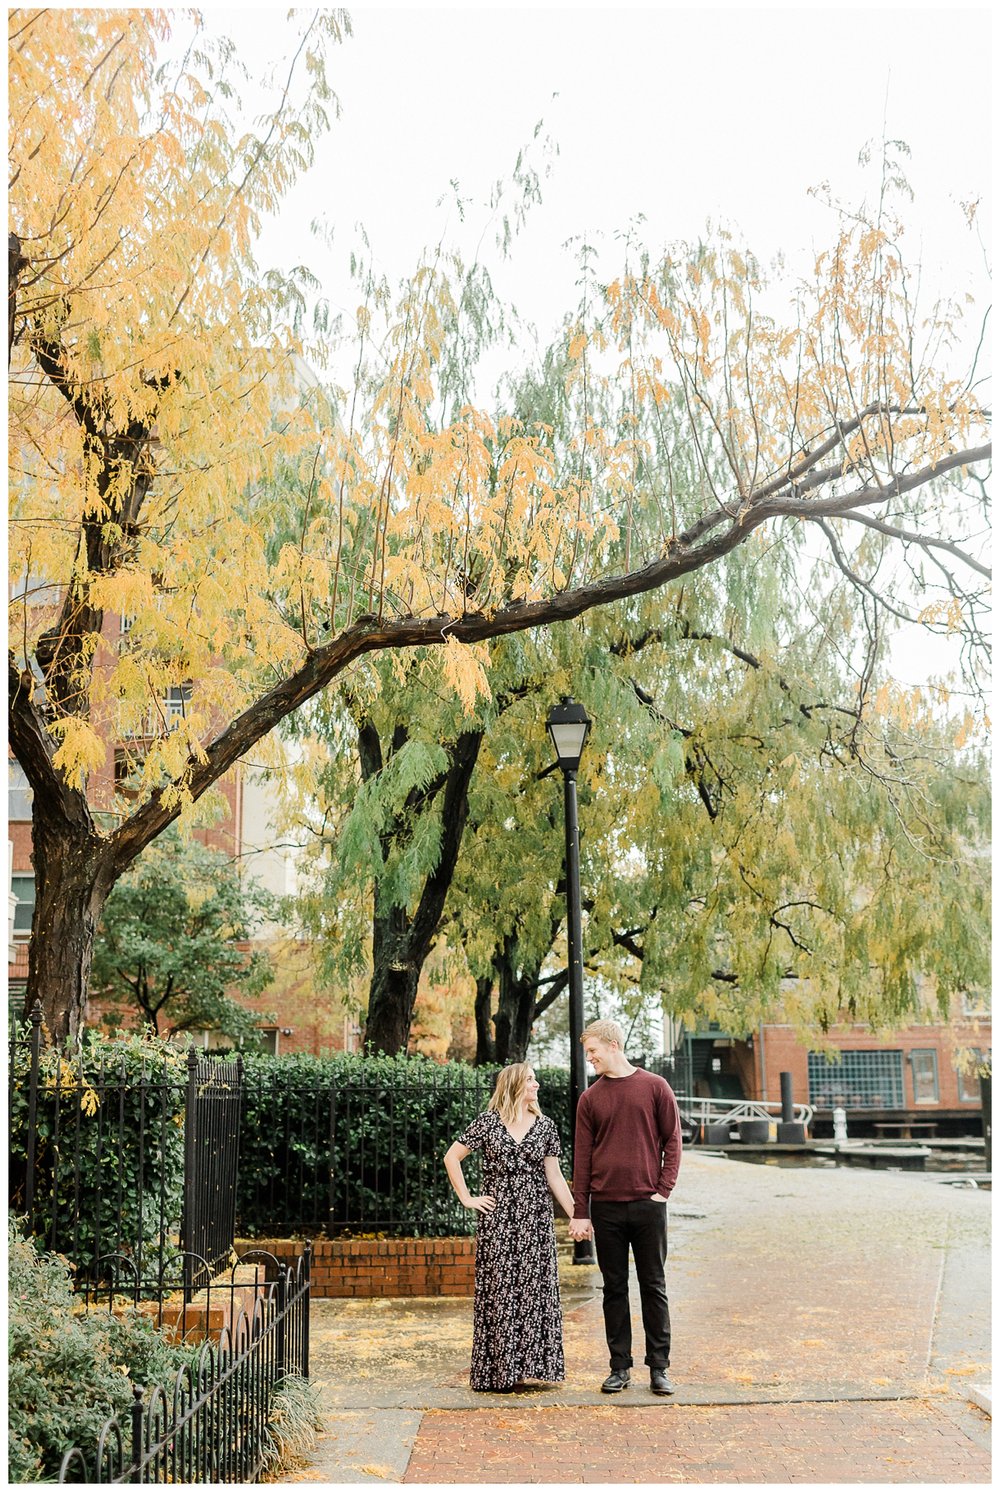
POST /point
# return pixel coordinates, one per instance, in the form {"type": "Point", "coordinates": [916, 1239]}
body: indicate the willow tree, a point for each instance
{"type": "Point", "coordinates": [760, 834]}
{"type": "Point", "coordinates": [769, 822]}
{"type": "Point", "coordinates": [149, 353]}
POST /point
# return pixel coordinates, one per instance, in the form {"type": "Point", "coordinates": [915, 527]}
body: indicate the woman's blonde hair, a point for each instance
{"type": "Point", "coordinates": [509, 1091]}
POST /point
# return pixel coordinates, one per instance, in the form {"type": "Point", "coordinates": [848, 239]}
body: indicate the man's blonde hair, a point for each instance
{"type": "Point", "coordinates": [606, 1031]}
{"type": "Point", "coordinates": [509, 1091]}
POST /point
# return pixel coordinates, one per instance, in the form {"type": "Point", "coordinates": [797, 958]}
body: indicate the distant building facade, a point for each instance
{"type": "Point", "coordinates": [927, 1070]}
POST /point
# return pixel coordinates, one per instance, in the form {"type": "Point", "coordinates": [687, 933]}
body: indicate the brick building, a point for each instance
{"type": "Point", "coordinates": [923, 1071]}
{"type": "Point", "coordinates": [305, 1019]}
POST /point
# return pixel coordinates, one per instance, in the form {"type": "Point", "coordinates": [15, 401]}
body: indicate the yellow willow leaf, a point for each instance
{"type": "Point", "coordinates": [464, 670]}
{"type": "Point", "coordinates": [80, 751]}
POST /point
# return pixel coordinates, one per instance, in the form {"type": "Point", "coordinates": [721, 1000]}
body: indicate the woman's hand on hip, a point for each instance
{"type": "Point", "coordinates": [481, 1204]}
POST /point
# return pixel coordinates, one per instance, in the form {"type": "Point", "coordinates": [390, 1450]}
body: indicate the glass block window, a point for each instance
{"type": "Point", "coordinates": [925, 1076]}
{"type": "Point", "coordinates": [860, 1080]}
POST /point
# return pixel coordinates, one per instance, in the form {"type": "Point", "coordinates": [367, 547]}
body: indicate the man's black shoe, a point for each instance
{"type": "Point", "coordinates": [616, 1380]}
{"type": "Point", "coordinates": [659, 1381]}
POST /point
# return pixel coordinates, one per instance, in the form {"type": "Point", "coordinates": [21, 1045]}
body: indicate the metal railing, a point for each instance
{"type": "Point", "coordinates": [211, 1424]}
{"type": "Point", "coordinates": [124, 1157]}
{"type": "Point", "coordinates": [733, 1111]}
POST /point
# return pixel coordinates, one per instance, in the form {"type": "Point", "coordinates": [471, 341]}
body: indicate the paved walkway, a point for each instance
{"type": "Point", "coordinates": [827, 1327]}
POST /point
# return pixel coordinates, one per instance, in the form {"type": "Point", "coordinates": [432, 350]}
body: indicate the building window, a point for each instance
{"type": "Point", "coordinates": [860, 1080]}
{"type": "Point", "coordinates": [23, 887]}
{"type": "Point", "coordinates": [923, 1064]}
{"type": "Point", "coordinates": [18, 794]}
{"type": "Point", "coordinates": [969, 1090]}
{"type": "Point", "coordinates": [175, 702]}
{"type": "Point", "coordinates": [268, 1038]}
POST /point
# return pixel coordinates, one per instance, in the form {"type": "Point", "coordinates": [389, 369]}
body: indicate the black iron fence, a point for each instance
{"type": "Point", "coordinates": [125, 1160]}
{"type": "Point", "coordinates": [676, 1068]}
{"type": "Point", "coordinates": [356, 1145]}
{"type": "Point", "coordinates": [211, 1424]}
{"type": "Point", "coordinates": [211, 1163]}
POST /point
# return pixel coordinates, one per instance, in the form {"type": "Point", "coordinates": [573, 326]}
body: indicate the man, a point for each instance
{"type": "Point", "coordinates": [627, 1154]}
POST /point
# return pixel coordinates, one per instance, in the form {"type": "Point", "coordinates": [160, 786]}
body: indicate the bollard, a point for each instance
{"type": "Point", "coordinates": [790, 1131]}
{"type": "Point", "coordinates": [840, 1126]}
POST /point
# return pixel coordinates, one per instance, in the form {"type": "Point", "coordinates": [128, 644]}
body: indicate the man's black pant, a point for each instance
{"type": "Point", "coordinates": [641, 1226]}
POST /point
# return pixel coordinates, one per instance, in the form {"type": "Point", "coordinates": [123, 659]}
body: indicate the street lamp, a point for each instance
{"type": "Point", "coordinates": [569, 725]}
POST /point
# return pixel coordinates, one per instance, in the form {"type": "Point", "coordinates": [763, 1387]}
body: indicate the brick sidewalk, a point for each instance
{"type": "Point", "coordinates": [911, 1441]}
{"type": "Point", "coordinates": [826, 1326]}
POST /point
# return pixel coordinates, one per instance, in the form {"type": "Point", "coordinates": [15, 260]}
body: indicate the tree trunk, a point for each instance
{"type": "Point", "coordinates": [401, 942]}
{"type": "Point", "coordinates": [516, 1003]}
{"type": "Point", "coordinates": [485, 1046]}
{"type": "Point", "coordinates": [72, 886]}
{"type": "Point", "coordinates": [395, 977]}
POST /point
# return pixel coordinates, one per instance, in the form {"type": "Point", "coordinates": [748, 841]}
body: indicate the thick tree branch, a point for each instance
{"type": "Point", "coordinates": [34, 748]}
{"type": "Point", "coordinates": [557, 985]}
{"type": "Point", "coordinates": [368, 634]}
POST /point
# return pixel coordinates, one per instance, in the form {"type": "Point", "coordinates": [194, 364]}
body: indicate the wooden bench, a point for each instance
{"type": "Point", "coordinates": [904, 1128]}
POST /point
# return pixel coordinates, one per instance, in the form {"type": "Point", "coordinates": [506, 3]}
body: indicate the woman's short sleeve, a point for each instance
{"type": "Point", "coordinates": [475, 1136]}
{"type": "Point", "coordinates": [551, 1138]}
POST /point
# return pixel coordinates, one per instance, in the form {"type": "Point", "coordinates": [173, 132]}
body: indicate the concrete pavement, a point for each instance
{"type": "Point", "coordinates": [827, 1327]}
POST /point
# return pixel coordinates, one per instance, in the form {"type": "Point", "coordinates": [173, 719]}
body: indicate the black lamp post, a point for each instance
{"type": "Point", "coordinates": [569, 725]}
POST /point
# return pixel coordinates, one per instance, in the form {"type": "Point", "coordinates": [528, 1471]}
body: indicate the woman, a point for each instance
{"type": "Point", "coordinates": [517, 1325]}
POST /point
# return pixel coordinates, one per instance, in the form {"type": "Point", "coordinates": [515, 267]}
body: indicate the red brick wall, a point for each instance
{"type": "Point", "coordinates": [784, 1051]}
{"type": "Point", "coordinates": [369, 1268]}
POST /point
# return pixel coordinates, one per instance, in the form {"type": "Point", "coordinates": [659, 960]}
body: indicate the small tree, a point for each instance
{"type": "Point", "coordinates": [170, 942]}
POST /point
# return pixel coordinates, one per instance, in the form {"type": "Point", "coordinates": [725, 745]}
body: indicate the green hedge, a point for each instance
{"type": "Point", "coordinates": [69, 1370]}
{"type": "Point", "coordinates": [356, 1143]}
{"type": "Point", "coordinates": [109, 1137]}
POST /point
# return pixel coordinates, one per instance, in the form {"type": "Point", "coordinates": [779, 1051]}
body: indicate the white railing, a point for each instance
{"type": "Point", "coordinates": [734, 1110]}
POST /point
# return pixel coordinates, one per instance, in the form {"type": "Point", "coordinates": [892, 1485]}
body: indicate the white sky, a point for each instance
{"type": "Point", "coordinates": [676, 113]}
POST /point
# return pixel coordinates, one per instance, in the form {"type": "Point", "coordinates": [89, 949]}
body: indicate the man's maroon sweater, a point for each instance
{"type": "Point", "coordinates": [628, 1140]}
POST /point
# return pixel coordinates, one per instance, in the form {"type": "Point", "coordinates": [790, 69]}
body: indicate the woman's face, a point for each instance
{"type": "Point", "coordinates": [531, 1088]}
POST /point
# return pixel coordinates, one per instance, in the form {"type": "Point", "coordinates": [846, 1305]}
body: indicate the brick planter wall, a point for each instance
{"type": "Point", "coordinates": [366, 1268]}
{"type": "Point", "coordinates": [209, 1312]}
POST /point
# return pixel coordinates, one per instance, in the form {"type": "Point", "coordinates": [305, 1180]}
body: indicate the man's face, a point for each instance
{"type": "Point", "coordinates": [599, 1053]}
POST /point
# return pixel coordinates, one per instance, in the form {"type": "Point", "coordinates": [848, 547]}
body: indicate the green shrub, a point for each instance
{"type": "Point", "coordinates": [109, 1162]}
{"type": "Point", "coordinates": [358, 1142]}
{"type": "Point", "coordinates": [69, 1370]}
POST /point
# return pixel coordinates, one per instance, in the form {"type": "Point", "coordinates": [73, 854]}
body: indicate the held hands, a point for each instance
{"type": "Point", "coordinates": [480, 1204]}
{"type": "Point", "coordinates": [580, 1228]}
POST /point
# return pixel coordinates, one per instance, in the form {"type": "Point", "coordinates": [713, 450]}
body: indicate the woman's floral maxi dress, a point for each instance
{"type": "Point", "coordinates": [517, 1324]}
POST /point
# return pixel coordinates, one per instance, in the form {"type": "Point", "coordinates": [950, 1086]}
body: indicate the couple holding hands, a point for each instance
{"type": "Point", "coordinates": [627, 1153]}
